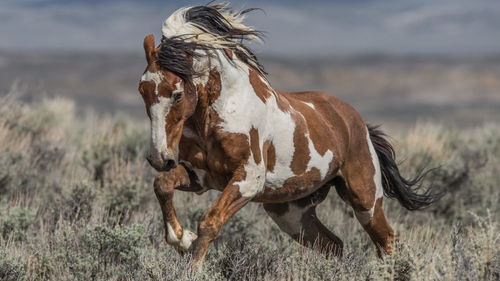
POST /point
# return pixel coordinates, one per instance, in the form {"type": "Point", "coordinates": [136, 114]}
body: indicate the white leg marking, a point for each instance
{"type": "Point", "coordinates": [171, 236]}
{"type": "Point", "coordinates": [184, 242]}
{"type": "Point", "coordinates": [187, 239]}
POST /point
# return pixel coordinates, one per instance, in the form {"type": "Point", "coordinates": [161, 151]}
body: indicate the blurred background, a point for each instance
{"type": "Point", "coordinates": [397, 62]}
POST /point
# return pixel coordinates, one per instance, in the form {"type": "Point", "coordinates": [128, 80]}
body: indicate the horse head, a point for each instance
{"type": "Point", "coordinates": [170, 101]}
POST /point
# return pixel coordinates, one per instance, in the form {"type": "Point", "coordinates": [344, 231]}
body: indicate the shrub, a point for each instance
{"type": "Point", "coordinates": [78, 204]}
{"type": "Point", "coordinates": [10, 270]}
{"type": "Point", "coordinates": [16, 222]}
{"type": "Point", "coordinates": [122, 199]}
{"type": "Point", "coordinates": [118, 244]}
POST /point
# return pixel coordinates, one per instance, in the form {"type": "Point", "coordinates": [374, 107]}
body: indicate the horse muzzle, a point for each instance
{"type": "Point", "coordinates": [161, 164]}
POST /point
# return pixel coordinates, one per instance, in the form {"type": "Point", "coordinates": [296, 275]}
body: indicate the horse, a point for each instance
{"type": "Point", "coordinates": [216, 123]}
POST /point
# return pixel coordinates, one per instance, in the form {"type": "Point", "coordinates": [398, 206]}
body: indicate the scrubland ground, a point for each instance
{"type": "Point", "coordinates": [76, 203]}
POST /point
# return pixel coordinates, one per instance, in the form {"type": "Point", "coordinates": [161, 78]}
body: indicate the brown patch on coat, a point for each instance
{"type": "Point", "coordinates": [270, 155]}
{"type": "Point", "coordinates": [254, 145]}
{"type": "Point", "coordinates": [213, 86]}
{"type": "Point", "coordinates": [260, 88]}
{"type": "Point", "coordinates": [293, 188]}
{"type": "Point", "coordinates": [282, 101]}
{"type": "Point", "coordinates": [316, 124]}
{"type": "Point", "coordinates": [203, 118]}
{"type": "Point", "coordinates": [301, 154]}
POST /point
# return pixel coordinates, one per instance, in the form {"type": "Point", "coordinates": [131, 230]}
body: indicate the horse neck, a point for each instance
{"type": "Point", "coordinates": [224, 78]}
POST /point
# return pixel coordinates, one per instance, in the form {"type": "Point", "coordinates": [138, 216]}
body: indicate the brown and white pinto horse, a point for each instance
{"type": "Point", "coordinates": [216, 123]}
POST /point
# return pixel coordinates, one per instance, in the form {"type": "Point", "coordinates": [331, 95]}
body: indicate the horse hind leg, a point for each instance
{"type": "Point", "coordinates": [298, 219]}
{"type": "Point", "coordinates": [361, 187]}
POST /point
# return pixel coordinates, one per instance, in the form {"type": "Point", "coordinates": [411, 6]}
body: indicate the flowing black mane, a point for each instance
{"type": "Point", "coordinates": [176, 53]}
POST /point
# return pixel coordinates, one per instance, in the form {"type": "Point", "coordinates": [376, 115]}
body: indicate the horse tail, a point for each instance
{"type": "Point", "coordinates": [394, 184]}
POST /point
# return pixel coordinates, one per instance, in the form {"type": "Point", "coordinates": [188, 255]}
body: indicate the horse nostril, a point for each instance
{"type": "Point", "coordinates": [169, 165]}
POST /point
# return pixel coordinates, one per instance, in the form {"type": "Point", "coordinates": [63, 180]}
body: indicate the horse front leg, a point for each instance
{"type": "Point", "coordinates": [165, 184]}
{"type": "Point", "coordinates": [240, 190]}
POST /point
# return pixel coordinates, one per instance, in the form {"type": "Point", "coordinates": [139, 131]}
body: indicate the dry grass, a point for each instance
{"type": "Point", "coordinates": [76, 203]}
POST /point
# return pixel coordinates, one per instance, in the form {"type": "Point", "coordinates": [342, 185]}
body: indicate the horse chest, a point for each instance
{"type": "Point", "coordinates": [215, 159]}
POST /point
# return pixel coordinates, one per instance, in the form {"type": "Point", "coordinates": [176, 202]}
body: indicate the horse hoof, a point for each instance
{"type": "Point", "coordinates": [187, 239]}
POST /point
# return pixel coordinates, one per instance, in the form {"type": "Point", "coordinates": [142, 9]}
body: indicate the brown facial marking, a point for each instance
{"type": "Point", "coordinates": [254, 145]}
{"type": "Point", "coordinates": [260, 88]}
{"type": "Point", "coordinates": [147, 91]}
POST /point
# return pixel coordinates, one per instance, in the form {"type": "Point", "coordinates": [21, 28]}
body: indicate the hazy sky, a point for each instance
{"type": "Point", "coordinates": [294, 28]}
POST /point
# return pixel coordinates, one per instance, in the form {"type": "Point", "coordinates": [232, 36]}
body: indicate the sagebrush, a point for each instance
{"type": "Point", "coordinates": [76, 203]}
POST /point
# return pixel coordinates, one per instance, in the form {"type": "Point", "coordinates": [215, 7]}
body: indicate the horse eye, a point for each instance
{"type": "Point", "coordinates": [177, 95]}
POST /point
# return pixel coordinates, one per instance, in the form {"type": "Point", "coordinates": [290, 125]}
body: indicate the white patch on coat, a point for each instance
{"type": "Point", "coordinates": [158, 111]}
{"type": "Point", "coordinates": [310, 105]}
{"type": "Point", "coordinates": [364, 217]}
{"type": "Point", "coordinates": [322, 163]}
{"type": "Point", "coordinates": [241, 110]}
{"type": "Point", "coordinates": [377, 177]}
{"type": "Point", "coordinates": [254, 178]}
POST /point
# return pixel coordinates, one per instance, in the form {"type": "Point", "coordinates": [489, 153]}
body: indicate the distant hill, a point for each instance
{"type": "Point", "coordinates": [390, 90]}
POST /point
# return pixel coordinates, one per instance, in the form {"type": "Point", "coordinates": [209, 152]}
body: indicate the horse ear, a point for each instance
{"type": "Point", "coordinates": [149, 48]}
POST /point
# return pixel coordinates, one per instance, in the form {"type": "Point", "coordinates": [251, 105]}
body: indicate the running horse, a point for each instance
{"type": "Point", "coordinates": [216, 123]}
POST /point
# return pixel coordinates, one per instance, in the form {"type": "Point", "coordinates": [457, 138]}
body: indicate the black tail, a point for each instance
{"type": "Point", "coordinates": [395, 185]}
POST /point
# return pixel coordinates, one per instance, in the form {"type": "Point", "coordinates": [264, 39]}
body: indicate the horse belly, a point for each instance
{"type": "Point", "coordinates": [282, 184]}
{"type": "Point", "coordinates": [294, 187]}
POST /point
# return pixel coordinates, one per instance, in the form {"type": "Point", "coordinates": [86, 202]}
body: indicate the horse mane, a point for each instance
{"type": "Point", "coordinates": [208, 27]}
